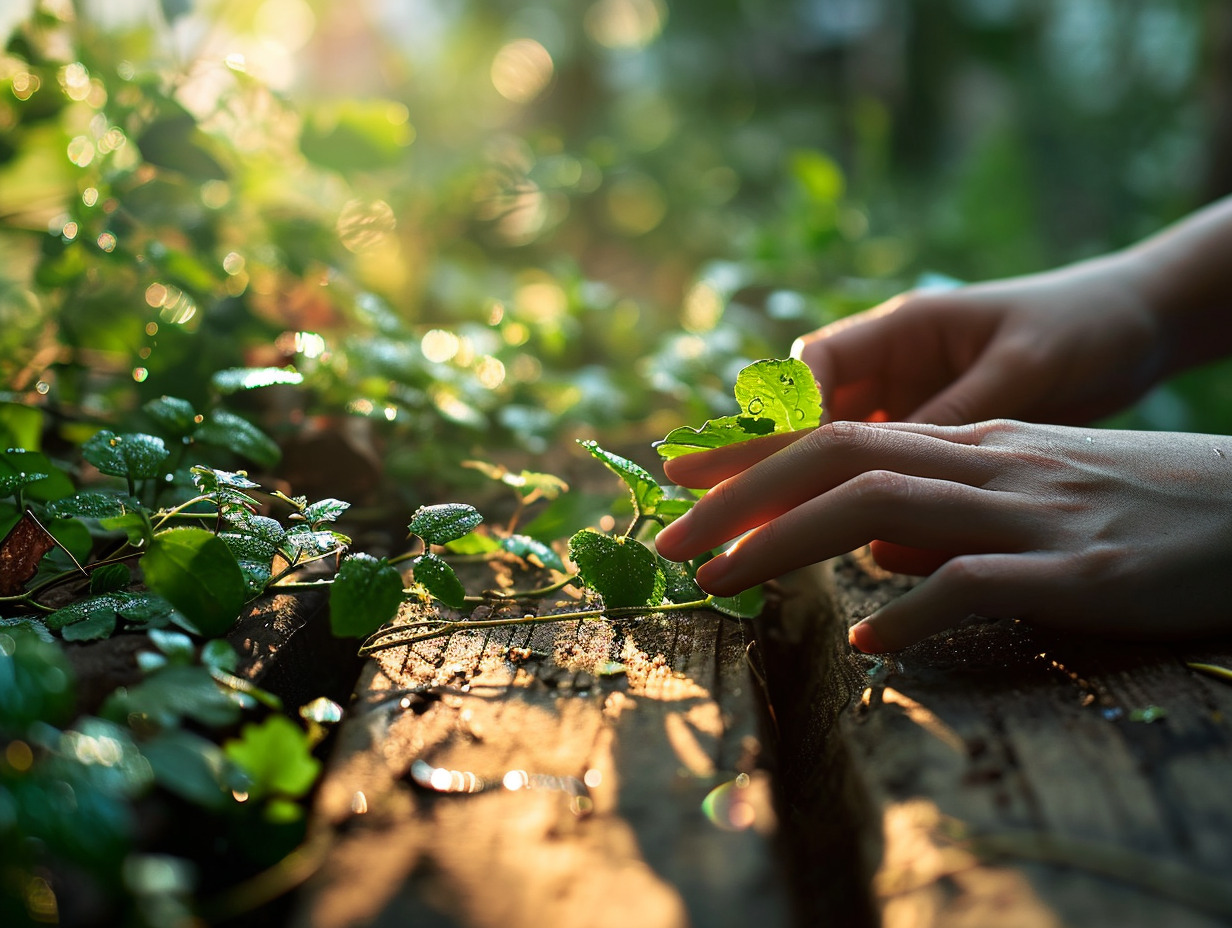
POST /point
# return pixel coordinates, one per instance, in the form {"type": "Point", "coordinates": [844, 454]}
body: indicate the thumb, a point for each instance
{"type": "Point", "coordinates": [994, 586]}
{"type": "Point", "coordinates": [989, 390]}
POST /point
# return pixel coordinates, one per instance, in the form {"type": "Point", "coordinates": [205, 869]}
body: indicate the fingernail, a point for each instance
{"type": "Point", "coordinates": [711, 574]}
{"type": "Point", "coordinates": [863, 637]}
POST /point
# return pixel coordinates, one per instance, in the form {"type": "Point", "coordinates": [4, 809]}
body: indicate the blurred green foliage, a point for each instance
{"type": "Point", "coordinates": [480, 222]}
{"type": "Point", "coordinates": [439, 230]}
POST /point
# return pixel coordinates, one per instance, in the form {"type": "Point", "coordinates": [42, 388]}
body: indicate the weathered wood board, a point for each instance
{"type": "Point", "coordinates": [560, 774]}
{"type": "Point", "coordinates": [1001, 775]}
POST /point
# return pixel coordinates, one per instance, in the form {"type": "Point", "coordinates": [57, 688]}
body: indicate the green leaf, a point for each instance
{"type": "Point", "coordinates": [669, 510]}
{"type": "Point", "coordinates": [783, 391]}
{"type": "Point", "coordinates": [745, 605]}
{"type": "Point", "coordinates": [681, 587]}
{"type": "Point", "coordinates": [715, 433]}
{"type": "Point", "coordinates": [101, 624]}
{"type": "Point", "coordinates": [276, 756]}
{"type": "Point", "coordinates": [254, 537]}
{"type": "Point", "coordinates": [193, 768]}
{"type": "Point", "coordinates": [774, 396]}
{"type": "Point", "coordinates": [176, 645]}
{"type": "Point", "coordinates": [365, 595]}
{"type": "Point", "coordinates": [175, 415]}
{"type": "Point", "coordinates": [218, 653]}
{"type": "Point", "coordinates": [354, 135]}
{"type": "Point", "coordinates": [645, 490]}
{"type": "Point", "coordinates": [135, 524]}
{"type": "Point", "coordinates": [21, 426]}
{"type": "Point", "coordinates": [195, 571]}
{"type": "Point", "coordinates": [473, 543]}
{"type": "Point", "coordinates": [324, 510]}
{"type": "Point", "coordinates": [210, 480]}
{"type": "Point", "coordinates": [132, 454]}
{"type": "Point", "coordinates": [171, 694]}
{"type": "Point", "coordinates": [144, 608]}
{"type": "Point", "coordinates": [36, 681]}
{"type": "Point", "coordinates": [140, 608]}
{"type": "Point", "coordinates": [236, 379]}
{"type": "Point", "coordinates": [94, 504]}
{"type": "Point", "coordinates": [83, 609]}
{"type": "Point", "coordinates": [49, 482]}
{"type": "Point", "coordinates": [621, 570]}
{"type": "Point", "coordinates": [11, 483]}
{"type": "Point", "coordinates": [532, 549]}
{"type": "Point", "coordinates": [303, 540]}
{"type": "Point", "coordinates": [439, 579]}
{"type": "Point", "coordinates": [225, 429]}
{"type": "Point", "coordinates": [109, 578]}
{"type": "Point", "coordinates": [173, 141]}
{"type": "Point", "coordinates": [438, 525]}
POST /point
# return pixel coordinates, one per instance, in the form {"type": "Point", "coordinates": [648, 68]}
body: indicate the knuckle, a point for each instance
{"type": "Point", "coordinates": [726, 496]}
{"type": "Point", "coordinates": [880, 487]}
{"type": "Point", "coordinates": [1096, 565]}
{"type": "Point", "coordinates": [846, 433]}
{"type": "Point", "coordinates": [964, 573]}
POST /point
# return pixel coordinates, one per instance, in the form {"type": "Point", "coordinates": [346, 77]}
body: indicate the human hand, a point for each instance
{"type": "Point", "coordinates": [1111, 532]}
{"type": "Point", "coordinates": [1065, 346]}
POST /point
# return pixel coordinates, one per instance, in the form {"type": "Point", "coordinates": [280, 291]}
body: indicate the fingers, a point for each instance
{"type": "Point", "coordinates": [816, 464]}
{"type": "Point", "coordinates": [900, 559]}
{"type": "Point", "coordinates": [991, 585]}
{"type": "Point", "coordinates": [912, 511]}
{"type": "Point", "coordinates": [703, 469]}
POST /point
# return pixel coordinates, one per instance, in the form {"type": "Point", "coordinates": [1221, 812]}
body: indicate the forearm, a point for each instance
{"type": "Point", "coordinates": [1185, 274]}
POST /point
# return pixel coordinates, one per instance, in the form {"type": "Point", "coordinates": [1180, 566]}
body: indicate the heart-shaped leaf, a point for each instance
{"type": "Point", "coordinates": [365, 595]}
{"type": "Point", "coordinates": [439, 525]}
{"type": "Point", "coordinates": [774, 396]}
{"type": "Point", "coordinates": [195, 571]}
{"type": "Point", "coordinates": [132, 454]}
{"type": "Point", "coordinates": [175, 415]}
{"type": "Point", "coordinates": [623, 571]}
{"type": "Point", "coordinates": [435, 575]}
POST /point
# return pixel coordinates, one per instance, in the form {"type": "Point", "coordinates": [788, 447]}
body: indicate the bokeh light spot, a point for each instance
{"type": "Point", "coordinates": [521, 70]}
{"type": "Point", "coordinates": [625, 23]}
{"type": "Point", "coordinates": [364, 225]}
{"type": "Point", "coordinates": [439, 345]}
{"type": "Point", "coordinates": [81, 151]}
{"type": "Point", "coordinates": [635, 204]}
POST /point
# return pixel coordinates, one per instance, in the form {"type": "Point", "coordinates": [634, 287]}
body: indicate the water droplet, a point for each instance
{"type": "Point", "coordinates": [756, 405]}
{"type": "Point", "coordinates": [797, 413]}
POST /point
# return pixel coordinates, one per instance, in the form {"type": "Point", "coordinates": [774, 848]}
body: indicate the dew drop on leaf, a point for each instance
{"type": "Point", "coordinates": [756, 405]}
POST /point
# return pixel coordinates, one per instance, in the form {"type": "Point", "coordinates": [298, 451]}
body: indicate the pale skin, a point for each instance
{"type": "Point", "coordinates": [1109, 532]}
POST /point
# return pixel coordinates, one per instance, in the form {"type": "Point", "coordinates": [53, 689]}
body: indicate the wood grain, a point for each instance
{"type": "Point", "coordinates": [612, 736]}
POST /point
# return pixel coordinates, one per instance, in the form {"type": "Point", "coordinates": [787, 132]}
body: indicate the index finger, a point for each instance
{"type": "Point", "coordinates": [703, 469]}
{"type": "Point", "coordinates": [824, 459]}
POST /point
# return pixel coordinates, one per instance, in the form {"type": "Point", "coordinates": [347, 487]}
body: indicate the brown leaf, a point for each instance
{"type": "Point", "coordinates": [20, 552]}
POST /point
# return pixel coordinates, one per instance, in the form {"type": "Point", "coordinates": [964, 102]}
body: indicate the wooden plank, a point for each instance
{"type": "Point", "coordinates": [997, 774]}
{"type": "Point", "coordinates": [573, 773]}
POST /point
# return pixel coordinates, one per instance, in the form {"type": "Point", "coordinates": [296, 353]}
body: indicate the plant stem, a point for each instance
{"type": "Point", "coordinates": [441, 628]}
{"type": "Point", "coordinates": [527, 594]}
